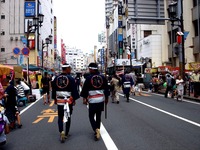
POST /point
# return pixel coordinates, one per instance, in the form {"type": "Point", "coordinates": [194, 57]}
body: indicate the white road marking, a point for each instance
{"type": "Point", "coordinates": [166, 112]}
{"type": "Point", "coordinates": [25, 109]}
{"type": "Point", "coordinates": [110, 145]}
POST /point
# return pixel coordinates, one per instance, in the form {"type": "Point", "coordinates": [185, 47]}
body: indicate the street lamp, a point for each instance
{"type": "Point", "coordinates": [48, 41]}
{"type": "Point", "coordinates": [30, 28]}
{"type": "Point", "coordinates": [173, 14]}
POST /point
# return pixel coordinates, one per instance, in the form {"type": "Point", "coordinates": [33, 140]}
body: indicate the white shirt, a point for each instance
{"type": "Point", "coordinates": [25, 86]}
{"type": "Point", "coordinates": [179, 84]}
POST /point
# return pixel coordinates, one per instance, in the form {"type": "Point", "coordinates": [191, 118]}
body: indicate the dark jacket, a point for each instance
{"type": "Point", "coordinates": [95, 82]}
{"type": "Point", "coordinates": [64, 82]}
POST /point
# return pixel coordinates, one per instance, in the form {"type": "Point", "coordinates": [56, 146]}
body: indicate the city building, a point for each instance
{"type": "Point", "coordinates": [135, 35]}
{"type": "Point", "coordinates": [17, 32]}
{"type": "Point", "coordinates": [76, 58]}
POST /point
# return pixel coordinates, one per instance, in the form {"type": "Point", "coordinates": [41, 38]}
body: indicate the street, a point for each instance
{"type": "Point", "coordinates": [147, 122]}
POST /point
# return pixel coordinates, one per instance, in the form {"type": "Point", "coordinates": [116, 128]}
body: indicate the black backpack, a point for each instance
{"type": "Point", "coordinates": [173, 82]}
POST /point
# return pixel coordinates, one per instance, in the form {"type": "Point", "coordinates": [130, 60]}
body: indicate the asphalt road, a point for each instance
{"type": "Point", "coordinates": [148, 122]}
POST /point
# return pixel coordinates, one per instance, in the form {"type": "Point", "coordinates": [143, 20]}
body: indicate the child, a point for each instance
{"type": "Point", "coordinates": [4, 125]}
{"type": "Point", "coordinates": [180, 87]}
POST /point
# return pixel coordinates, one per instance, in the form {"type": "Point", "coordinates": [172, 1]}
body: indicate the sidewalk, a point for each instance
{"type": "Point", "coordinates": [191, 97]}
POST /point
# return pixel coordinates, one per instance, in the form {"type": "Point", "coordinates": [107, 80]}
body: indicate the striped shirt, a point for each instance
{"type": "Point", "coordinates": [20, 90]}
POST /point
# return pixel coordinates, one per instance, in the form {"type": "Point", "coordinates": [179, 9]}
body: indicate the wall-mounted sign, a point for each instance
{"type": "Point", "coordinates": [29, 9]}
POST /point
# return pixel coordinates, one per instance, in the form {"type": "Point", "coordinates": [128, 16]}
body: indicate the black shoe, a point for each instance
{"type": "Point", "coordinates": [19, 126]}
{"type": "Point", "coordinates": [127, 101]}
{"type": "Point", "coordinates": [117, 102]}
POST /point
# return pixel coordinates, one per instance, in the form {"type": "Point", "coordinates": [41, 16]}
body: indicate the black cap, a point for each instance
{"type": "Point", "coordinates": [93, 66]}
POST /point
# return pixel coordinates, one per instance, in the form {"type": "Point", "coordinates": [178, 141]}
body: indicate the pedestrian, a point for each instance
{"type": "Point", "coordinates": [64, 93]}
{"type": "Point", "coordinates": [195, 77]}
{"type": "Point", "coordinates": [45, 84]}
{"type": "Point", "coordinates": [1, 94]}
{"type": "Point", "coordinates": [127, 83]}
{"type": "Point", "coordinates": [180, 87]}
{"type": "Point", "coordinates": [116, 83]}
{"type": "Point", "coordinates": [4, 126]}
{"type": "Point", "coordinates": [95, 92]}
{"type": "Point", "coordinates": [20, 89]}
{"type": "Point", "coordinates": [140, 83]}
{"type": "Point", "coordinates": [12, 111]}
{"type": "Point", "coordinates": [134, 77]}
{"type": "Point", "coordinates": [169, 84]}
{"type": "Point", "coordinates": [78, 81]}
{"type": "Point", "coordinates": [25, 86]}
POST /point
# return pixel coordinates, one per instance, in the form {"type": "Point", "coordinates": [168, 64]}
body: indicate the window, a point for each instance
{"type": "Point", "coordinates": [147, 33]}
{"type": "Point", "coordinates": [2, 49]}
{"type": "Point", "coordinates": [2, 32]}
{"type": "Point", "coordinates": [3, 17]}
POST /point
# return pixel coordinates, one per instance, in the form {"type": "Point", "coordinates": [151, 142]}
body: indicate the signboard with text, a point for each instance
{"type": "Point", "coordinates": [29, 9]}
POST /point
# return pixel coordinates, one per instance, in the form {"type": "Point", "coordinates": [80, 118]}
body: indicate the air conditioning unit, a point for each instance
{"type": "Point", "coordinates": [11, 38]}
{"type": "Point", "coordinates": [3, 1]}
{"type": "Point", "coordinates": [16, 38]}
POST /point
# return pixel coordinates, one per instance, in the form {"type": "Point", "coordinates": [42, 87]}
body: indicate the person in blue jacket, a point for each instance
{"type": "Point", "coordinates": [64, 93]}
{"type": "Point", "coordinates": [127, 83]}
{"type": "Point", "coordinates": [95, 92]}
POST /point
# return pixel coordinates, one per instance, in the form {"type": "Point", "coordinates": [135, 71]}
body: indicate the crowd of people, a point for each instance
{"type": "Point", "coordinates": [175, 85]}
{"type": "Point", "coordinates": [10, 114]}
{"type": "Point", "coordinates": [93, 87]}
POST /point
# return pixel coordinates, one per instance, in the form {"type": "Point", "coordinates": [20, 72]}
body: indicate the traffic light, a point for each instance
{"type": "Point", "coordinates": [176, 49]}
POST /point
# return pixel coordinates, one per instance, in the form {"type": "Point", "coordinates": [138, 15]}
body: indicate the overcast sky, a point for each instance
{"type": "Point", "coordinates": [79, 22]}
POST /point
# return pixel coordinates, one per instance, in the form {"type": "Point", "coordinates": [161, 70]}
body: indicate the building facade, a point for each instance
{"type": "Point", "coordinates": [15, 16]}
{"type": "Point", "coordinates": [152, 39]}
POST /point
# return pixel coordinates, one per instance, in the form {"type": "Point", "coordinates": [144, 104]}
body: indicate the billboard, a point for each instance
{"type": "Point", "coordinates": [29, 9]}
{"type": "Point", "coordinates": [145, 12]}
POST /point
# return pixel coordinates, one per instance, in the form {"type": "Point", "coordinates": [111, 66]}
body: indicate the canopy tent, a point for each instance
{"type": "Point", "coordinates": [5, 69]}
{"type": "Point", "coordinates": [32, 67]}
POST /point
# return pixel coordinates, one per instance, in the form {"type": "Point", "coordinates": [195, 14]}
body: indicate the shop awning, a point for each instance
{"type": "Point", "coordinates": [31, 67]}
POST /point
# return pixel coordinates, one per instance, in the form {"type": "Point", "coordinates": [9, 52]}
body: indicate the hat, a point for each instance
{"type": "Point", "coordinates": [65, 65]}
{"type": "Point", "coordinates": [93, 66]}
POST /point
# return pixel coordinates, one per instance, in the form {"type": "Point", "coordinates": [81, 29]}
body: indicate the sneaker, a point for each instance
{"type": "Point", "coordinates": [117, 102]}
{"type": "Point", "coordinates": [62, 137]}
{"type": "Point", "coordinates": [45, 103]}
{"type": "Point", "coordinates": [97, 136]}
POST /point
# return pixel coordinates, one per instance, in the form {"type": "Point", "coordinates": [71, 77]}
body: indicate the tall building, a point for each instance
{"type": "Point", "coordinates": [153, 39]}
{"type": "Point", "coordinates": [76, 58]}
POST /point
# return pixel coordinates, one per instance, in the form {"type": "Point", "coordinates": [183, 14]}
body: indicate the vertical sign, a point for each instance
{"type": "Point", "coordinates": [55, 32]}
{"type": "Point", "coordinates": [63, 52]}
{"type": "Point", "coordinates": [102, 57]}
